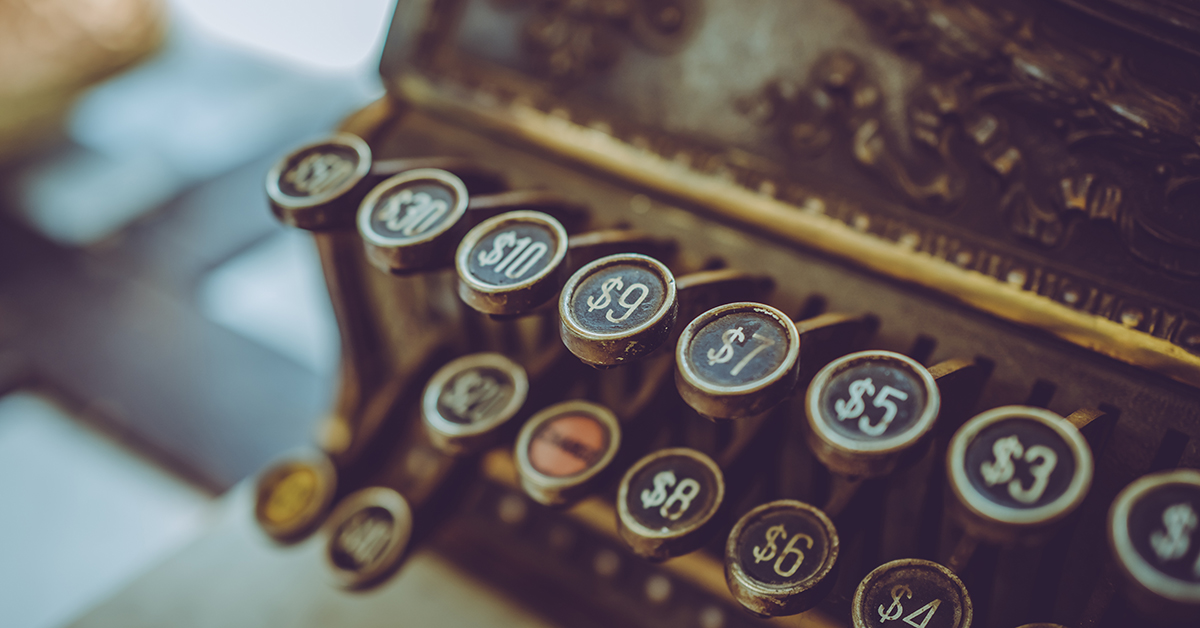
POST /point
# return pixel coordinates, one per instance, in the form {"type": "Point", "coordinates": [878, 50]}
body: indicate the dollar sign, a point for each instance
{"type": "Point", "coordinates": [896, 609]}
{"type": "Point", "coordinates": [502, 241]}
{"type": "Point", "coordinates": [853, 407]}
{"type": "Point", "coordinates": [726, 352]}
{"type": "Point", "coordinates": [767, 552]}
{"type": "Point", "coordinates": [1000, 471]}
{"type": "Point", "coordinates": [318, 174]}
{"type": "Point", "coordinates": [605, 298]}
{"type": "Point", "coordinates": [1179, 521]}
{"type": "Point", "coordinates": [662, 481]}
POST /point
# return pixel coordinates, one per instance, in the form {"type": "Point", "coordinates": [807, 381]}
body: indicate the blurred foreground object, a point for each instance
{"type": "Point", "coordinates": [50, 50]}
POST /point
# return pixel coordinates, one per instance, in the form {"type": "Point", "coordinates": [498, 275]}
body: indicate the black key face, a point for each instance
{"type": "Point", "coordinates": [872, 401]}
{"type": "Point", "coordinates": [362, 540]}
{"type": "Point", "coordinates": [617, 298]}
{"type": "Point", "coordinates": [512, 253]}
{"type": "Point", "coordinates": [414, 210]}
{"type": "Point", "coordinates": [475, 395]}
{"type": "Point", "coordinates": [783, 547]}
{"type": "Point", "coordinates": [673, 493]}
{"type": "Point", "coordinates": [1164, 526]}
{"type": "Point", "coordinates": [1020, 463]}
{"type": "Point", "coordinates": [739, 348]}
{"type": "Point", "coordinates": [318, 170]}
{"type": "Point", "coordinates": [912, 595]}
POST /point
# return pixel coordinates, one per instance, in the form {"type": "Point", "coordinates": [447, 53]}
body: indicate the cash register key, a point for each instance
{"type": "Point", "coordinates": [468, 399]}
{"type": "Point", "coordinates": [512, 263]}
{"type": "Point", "coordinates": [1015, 471]}
{"type": "Point", "coordinates": [780, 558]}
{"type": "Point", "coordinates": [617, 309]}
{"type": "Point", "coordinates": [367, 534]}
{"type": "Point", "coordinates": [293, 494]}
{"type": "Point", "coordinates": [911, 592]}
{"type": "Point", "coordinates": [308, 187]}
{"type": "Point", "coordinates": [865, 409]}
{"type": "Point", "coordinates": [737, 360]}
{"type": "Point", "coordinates": [409, 220]}
{"type": "Point", "coordinates": [562, 450]}
{"type": "Point", "coordinates": [1154, 535]}
{"type": "Point", "coordinates": [667, 502]}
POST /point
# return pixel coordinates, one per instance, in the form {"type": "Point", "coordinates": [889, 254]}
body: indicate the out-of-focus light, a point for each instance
{"type": "Point", "coordinates": [325, 35]}
{"type": "Point", "coordinates": [83, 515]}
{"type": "Point", "coordinates": [274, 294]}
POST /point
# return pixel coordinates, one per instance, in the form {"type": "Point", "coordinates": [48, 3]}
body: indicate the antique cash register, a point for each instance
{"type": "Point", "coordinates": [870, 313]}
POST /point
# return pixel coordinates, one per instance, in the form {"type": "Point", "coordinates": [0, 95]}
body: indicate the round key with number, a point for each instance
{"type": "Point", "coordinates": [512, 263]}
{"type": "Point", "coordinates": [780, 558]}
{"type": "Point", "coordinates": [366, 536]}
{"type": "Point", "coordinates": [865, 409]}
{"type": "Point", "coordinates": [737, 360]}
{"type": "Point", "coordinates": [667, 502]}
{"type": "Point", "coordinates": [911, 592]}
{"type": "Point", "coordinates": [562, 450]}
{"type": "Point", "coordinates": [311, 187]}
{"type": "Point", "coordinates": [617, 308]}
{"type": "Point", "coordinates": [1154, 535]}
{"type": "Point", "coordinates": [469, 398]}
{"type": "Point", "coordinates": [292, 495]}
{"type": "Point", "coordinates": [409, 218]}
{"type": "Point", "coordinates": [1017, 470]}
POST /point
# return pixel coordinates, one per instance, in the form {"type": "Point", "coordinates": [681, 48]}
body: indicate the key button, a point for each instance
{"type": "Point", "coordinates": [737, 360]}
{"type": "Point", "coordinates": [512, 263]}
{"type": "Point", "coordinates": [780, 558]}
{"type": "Point", "coordinates": [1016, 470]}
{"type": "Point", "coordinates": [308, 187]}
{"type": "Point", "coordinates": [618, 308]}
{"type": "Point", "coordinates": [469, 398]}
{"type": "Point", "coordinates": [292, 495]}
{"type": "Point", "coordinates": [562, 449]}
{"type": "Point", "coordinates": [1154, 534]}
{"type": "Point", "coordinates": [409, 220]}
{"type": "Point", "coordinates": [865, 409]}
{"type": "Point", "coordinates": [667, 502]}
{"type": "Point", "coordinates": [367, 534]}
{"type": "Point", "coordinates": [911, 592]}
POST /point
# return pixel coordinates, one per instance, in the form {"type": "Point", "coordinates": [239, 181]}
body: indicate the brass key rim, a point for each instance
{"type": "Point", "coordinates": [1120, 541]}
{"type": "Point", "coordinates": [401, 531]}
{"type": "Point", "coordinates": [629, 521]}
{"type": "Point", "coordinates": [700, 385]}
{"type": "Point", "coordinates": [979, 505]}
{"type": "Point", "coordinates": [366, 209]}
{"type": "Point", "coordinates": [859, 613]}
{"type": "Point", "coordinates": [485, 228]}
{"type": "Point", "coordinates": [287, 201]}
{"type": "Point", "coordinates": [751, 592]}
{"type": "Point", "coordinates": [613, 348]}
{"type": "Point", "coordinates": [547, 489]}
{"type": "Point", "coordinates": [306, 518]}
{"type": "Point", "coordinates": [570, 321]}
{"type": "Point", "coordinates": [433, 389]}
{"type": "Point", "coordinates": [894, 444]}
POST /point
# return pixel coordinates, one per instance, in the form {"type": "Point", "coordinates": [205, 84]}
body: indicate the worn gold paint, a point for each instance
{"type": "Point", "coordinates": [812, 230]}
{"type": "Point", "coordinates": [290, 496]}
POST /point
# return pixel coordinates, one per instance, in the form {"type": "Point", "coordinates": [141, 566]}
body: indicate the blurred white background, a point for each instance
{"type": "Point", "coordinates": [82, 512]}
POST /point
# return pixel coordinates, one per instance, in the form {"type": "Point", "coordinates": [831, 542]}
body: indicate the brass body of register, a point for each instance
{"type": "Point", "coordinates": [872, 313]}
